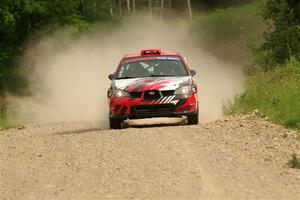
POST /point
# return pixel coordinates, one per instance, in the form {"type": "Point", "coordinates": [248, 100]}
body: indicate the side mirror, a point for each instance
{"type": "Point", "coordinates": [111, 77]}
{"type": "Point", "coordinates": [109, 93]}
{"type": "Point", "coordinates": [193, 72]}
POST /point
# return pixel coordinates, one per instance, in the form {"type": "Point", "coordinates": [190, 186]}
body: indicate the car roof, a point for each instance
{"type": "Point", "coordinates": [158, 52]}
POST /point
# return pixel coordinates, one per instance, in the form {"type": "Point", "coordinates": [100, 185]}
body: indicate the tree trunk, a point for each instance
{"type": "Point", "coordinates": [128, 6]}
{"type": "Point", "coordinates": [95, 10]}
{"type": "Point", "coordinates": [190, 9]}
{"type": "Point", "coordinates": [150, 7]}
{"type": "Point", "coordinates": [133, 6]}
{"type": "Point", "coordinates": [170, 4]}
{"type": "Point", "coordinates": [162, 10]}
{"type": "Point", "coordinates": [111, 11]}
{"type": "Point", "coordinates": [120, 7]}
{"type": "Point", "coordinates": [80, 9]}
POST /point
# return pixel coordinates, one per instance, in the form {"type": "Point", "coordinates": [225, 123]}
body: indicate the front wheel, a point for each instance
{"type": "Point", "coordinates": [193, 119]}
{"type": "Point", "coordinates": [115, 123]}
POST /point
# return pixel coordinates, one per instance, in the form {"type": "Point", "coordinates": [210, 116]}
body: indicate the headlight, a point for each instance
{"type": "Point", "coordinates": [185, 91]}
{"type": "Point", "coordinates": [121, 93]}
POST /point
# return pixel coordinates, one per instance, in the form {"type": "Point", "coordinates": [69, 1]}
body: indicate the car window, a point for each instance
{"type": "Point", "coordinates": [158, 66]}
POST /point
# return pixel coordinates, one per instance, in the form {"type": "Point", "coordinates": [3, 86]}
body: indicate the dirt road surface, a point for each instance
{"type": "Point", "coordinates": [233, 158]}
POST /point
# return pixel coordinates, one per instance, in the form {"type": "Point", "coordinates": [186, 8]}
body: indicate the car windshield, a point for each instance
{"type": "Point", "coordinates": [151, 67]}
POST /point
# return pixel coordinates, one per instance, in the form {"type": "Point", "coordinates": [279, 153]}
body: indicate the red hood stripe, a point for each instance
{"type": "Point", "coordinates": [155, 85]}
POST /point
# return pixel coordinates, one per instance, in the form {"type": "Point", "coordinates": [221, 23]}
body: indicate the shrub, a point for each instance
{"type": "Point", "coordinates": [3, 121]}
{"type": "Point", "coordinates": [294, 162]}
{"type": "Point", "coordinates": [282, 37]}
{"type": "Point", "coordinates": [275, 93]}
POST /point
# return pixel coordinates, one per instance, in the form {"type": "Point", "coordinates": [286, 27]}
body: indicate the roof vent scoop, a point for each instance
{"type": "Point", "coordinates": [150, 52]}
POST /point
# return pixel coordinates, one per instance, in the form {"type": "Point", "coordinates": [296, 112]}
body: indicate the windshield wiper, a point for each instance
{"type": "Point", "coordinates": [127, 77]}
{"type": "Point", "coordinates": [156, 75]}
{"type": "Point", "coordinates": [163, 75]}
{"type": "Point", "coordinates": [152, 75]}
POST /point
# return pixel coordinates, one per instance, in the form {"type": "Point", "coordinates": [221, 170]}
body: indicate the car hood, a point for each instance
{"type": "Point", "coordinates": [151, 83]}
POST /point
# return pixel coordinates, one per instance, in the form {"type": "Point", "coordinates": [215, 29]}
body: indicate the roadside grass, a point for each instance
{"type": "Point", "coordinates": [294, 162]}
{"type": "Point", "coordinates": [4, 124]}
{"type": "Point", "coordinates": [230, 23]}
{"type": "Point", "coordinates": [275, 93]}
{"type": "Point", "coordinates": [225, 33]}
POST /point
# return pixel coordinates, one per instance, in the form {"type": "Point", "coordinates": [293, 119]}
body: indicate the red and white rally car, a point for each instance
{"type": "Point", "coordinates": [152, 84]}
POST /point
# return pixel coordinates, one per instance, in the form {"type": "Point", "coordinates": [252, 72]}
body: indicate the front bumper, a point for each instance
{"type": "Point", "coordinates": [138, 108]}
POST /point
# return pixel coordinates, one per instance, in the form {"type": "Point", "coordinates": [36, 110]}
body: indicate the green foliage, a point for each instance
{"type": "Point", "coordinates": [294, 162]}
{"type": "Point", "coordinates": [22, 19]}
{"type": "Point", "coordinates": [94, 10]}
{"type": "Point", "coordinates": [3, 120]}
{"type": "Point", "coordinates": [282, 37]}
{"type": "Point", "coordinates": [275, 93]}
{"type": "Point", "coordinates": [273, 76]}
{"type": "Point", "coordinates": [224, 32]}
{"type": "Point", "coordinates": [230, 23]}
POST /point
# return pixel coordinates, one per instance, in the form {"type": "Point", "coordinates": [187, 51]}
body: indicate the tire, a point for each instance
{"type": "Point", "coordinates": [115, 123]}
{"type": "Point", "coordinates": [193, 119]}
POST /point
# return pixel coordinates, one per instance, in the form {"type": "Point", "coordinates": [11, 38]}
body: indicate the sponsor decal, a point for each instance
{"type": "Point", "coordinates": [167, 58]}
{"type": "Point", "coordinates": [139, 59]}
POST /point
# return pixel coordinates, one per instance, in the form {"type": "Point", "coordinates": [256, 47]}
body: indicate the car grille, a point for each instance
{"type": "Point", "coordinates": [151, 95]}
{"type": "Point", "coordinates": [167, 92]}
{"type": "Point", "coordinates": [163, 110]}
{"type": "Point", "coordinates": [135, 94]}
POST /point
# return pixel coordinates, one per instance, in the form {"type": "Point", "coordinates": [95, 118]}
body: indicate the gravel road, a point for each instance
{"type": "Point", "coordinates": [233, 158]}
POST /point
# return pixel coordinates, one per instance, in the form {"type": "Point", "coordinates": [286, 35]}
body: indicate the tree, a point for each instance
{"type": "Point", "coordinates": [150, 7]}
{"type": "Point", "coordinates": [282, 37]}
{"type": "Point", "coordinates": [190, 9]}
{"type": "Point", "coordinates": [20, 19]}
{"type": "Point", "coordinates": [133, 6]}
{"type": "Point", "coordinates": [120, 7]}
{"type": "Point", "coordinates": [128, 6]}
{"type": "Point", "coordinates": [162, 9]}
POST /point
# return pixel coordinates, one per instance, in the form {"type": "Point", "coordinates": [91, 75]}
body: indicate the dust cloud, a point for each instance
{"type": "Point", "coordinates": [68, 77]}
